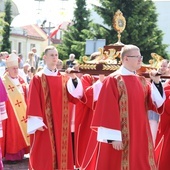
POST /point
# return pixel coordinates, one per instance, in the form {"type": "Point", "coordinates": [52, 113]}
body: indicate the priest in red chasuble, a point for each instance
{"type": "Point", "coordinates": [120, 118]}
{"type": "Point", "coordinates": [49, 121]}
{"type": "Point", "coordinates": [15, 142]}
{"type": "Point", "coordinates": [84, 114]}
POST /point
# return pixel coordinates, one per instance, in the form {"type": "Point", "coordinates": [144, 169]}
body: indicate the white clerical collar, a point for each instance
{"type": "Point", "coordinates": [14, 80]}
{"type": "Point", "coordinates": [47, 72]}
{"type": "Point", "coordinates": [123, 71]}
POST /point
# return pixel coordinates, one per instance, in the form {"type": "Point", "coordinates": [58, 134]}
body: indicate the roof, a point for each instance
{"type": "Point", "coordinates": [30, 31]}
{"type": "Point", "coordinates": [35, 32]}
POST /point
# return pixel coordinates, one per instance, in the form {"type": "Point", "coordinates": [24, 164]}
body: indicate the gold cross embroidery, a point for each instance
{"type": "Point", "coordinates": [24, 119]}
{"type": "Point", "coordinates": [11, 88]}
{"type": "Point", "coordinates": [18, 103]}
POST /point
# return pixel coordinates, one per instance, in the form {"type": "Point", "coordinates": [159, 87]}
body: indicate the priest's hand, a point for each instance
{"type": "Point", "coordinates": [155, 76]}
{"type": "Point", "coordinates": [71, 73]}
{"type": "Point", "coordinates": [41, 128]}
{"type": "Point", "coordinates": [118, 145]}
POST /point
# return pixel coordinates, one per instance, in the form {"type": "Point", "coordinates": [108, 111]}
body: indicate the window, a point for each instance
{"type": "Point", "coordinates": [32, 46]}
{"type": "Point", "coordinates": [19, 47]}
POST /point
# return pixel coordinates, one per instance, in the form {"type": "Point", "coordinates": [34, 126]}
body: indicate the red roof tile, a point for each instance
{"type": "Point", "coordinates": [35, 32]}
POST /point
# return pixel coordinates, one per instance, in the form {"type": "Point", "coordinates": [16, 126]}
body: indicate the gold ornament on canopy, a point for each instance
{"type": "Point", "coordinates": [108, 60]}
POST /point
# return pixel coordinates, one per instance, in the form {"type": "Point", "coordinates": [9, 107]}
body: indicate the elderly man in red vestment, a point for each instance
{"type": "Point", "coordinates": [15, 142]}
{"type": "Point", "coordinates": [120, 117]}
{"type": "Point", "coordinates": [48, 115]}
{"type": "Point", "coordinates": [153, 116]}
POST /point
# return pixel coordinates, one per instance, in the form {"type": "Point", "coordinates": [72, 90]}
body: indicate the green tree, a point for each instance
{"type": "Point", "coordinates": [2, 22]}
{"type": "Point", "coordinates": [141, 25]}
{"type": "Point", "coordinates": [6, 45]}
{"type": "Point", "coordinates": [74, 38]}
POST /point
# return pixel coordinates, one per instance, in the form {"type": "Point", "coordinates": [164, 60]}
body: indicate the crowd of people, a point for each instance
{"type": "Point", "coordinates": [67, 120]}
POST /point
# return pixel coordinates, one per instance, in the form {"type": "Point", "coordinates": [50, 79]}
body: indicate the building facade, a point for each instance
{"type": "Point", "coordinates": [23, 39]}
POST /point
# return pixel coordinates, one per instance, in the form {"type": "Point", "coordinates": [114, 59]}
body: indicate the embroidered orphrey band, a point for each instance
{"type": "Point", "coordinates": [123, 103]}
{"type": "Point", "coordinates": [48, 113]}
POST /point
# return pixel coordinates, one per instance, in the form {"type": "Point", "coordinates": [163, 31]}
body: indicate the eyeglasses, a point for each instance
{"type": "Point", "coordinates": [138, 57]}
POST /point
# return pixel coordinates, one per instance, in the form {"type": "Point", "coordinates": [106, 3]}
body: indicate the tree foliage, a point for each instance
{"type": "Point", "coordinates": [2, 22]}
{"type": "Point", "coordinates": [141, 25]}
{"type": "Point", "coordinates": [6, 45]}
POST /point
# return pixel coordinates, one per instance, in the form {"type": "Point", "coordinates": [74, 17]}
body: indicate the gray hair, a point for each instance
{"type": "Point", "coordinates": [72, 55]}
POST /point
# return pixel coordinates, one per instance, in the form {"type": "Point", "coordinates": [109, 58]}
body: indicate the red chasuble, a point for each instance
{"type": "Point", "coordinates": [162, 146]}
{"type": "Point", "coordinates": [83, 118]}
{"type": "Point", "coordinates": [52, 148]}
{"type": "Point", "coordinates": [123, 105]}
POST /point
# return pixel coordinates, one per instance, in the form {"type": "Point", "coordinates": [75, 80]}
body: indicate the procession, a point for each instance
{"type": "Point", "coordinates": [103, 108]}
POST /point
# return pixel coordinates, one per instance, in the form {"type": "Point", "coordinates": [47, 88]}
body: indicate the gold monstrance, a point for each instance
{"type": "Point", "coordinates": [119, 24]}
{"type": "Point", "coordinates": [108, 61]}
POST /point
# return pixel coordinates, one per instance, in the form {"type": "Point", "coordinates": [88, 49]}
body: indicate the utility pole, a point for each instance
{"type": "Point", "coordinates": [49, 29]}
